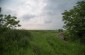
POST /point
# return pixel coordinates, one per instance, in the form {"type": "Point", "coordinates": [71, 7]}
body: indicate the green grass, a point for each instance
{"type": "Point", "coordinates": [47, 43]}
{"type": "Point", "coordinates": [41, 43]}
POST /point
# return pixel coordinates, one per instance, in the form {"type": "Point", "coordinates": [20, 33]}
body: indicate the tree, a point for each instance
{"type": "Point", "coordinates": [0, 9]}
{"type": "Point", "coordinates": [60, 30]}
{"type": "Point", "coordinates": [74, 20]}
{"type": "Point", "coordinates": [8, 21]}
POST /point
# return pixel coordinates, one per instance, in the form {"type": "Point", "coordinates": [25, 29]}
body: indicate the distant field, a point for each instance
{"type": "Point", "coordinates": [44, 43]}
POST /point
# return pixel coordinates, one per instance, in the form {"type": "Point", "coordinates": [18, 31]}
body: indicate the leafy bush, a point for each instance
{"type": "Point", "coordinates": [13, 41]}
{"type": "Point", "coordinates": [74, 20]}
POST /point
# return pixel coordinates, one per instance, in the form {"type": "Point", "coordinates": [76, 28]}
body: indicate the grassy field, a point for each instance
{"type": "Point", "coordinates": [24, 42]}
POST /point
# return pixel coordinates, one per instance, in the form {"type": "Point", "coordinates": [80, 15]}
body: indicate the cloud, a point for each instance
{"type": "Point", "coordinates": [54, 10]}
{"type": "Point", "coordinates": [27, 16]}
{"type": "Point", "coordinates": [55, 6]}
{"type": "Point", "coordinates": [1, 1]}
{"type": "Point", "coordinates": [38, 14]}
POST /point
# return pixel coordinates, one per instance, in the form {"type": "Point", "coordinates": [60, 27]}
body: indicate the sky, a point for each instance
{"type": "Point", "coordinates": [38, 14]}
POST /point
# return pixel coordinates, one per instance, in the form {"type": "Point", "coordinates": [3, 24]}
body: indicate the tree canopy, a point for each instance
{"type": "Point", "coordinates": [74, 20]}
{"type": "Point", "coordinates": [8, 21]}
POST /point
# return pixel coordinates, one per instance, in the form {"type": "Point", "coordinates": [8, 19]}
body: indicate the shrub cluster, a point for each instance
{"type": "Point", "coordinates": [13, 42]}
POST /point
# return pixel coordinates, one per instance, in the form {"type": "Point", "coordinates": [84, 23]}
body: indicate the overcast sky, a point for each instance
{"type": "Point", "coordinates": [38, 14]}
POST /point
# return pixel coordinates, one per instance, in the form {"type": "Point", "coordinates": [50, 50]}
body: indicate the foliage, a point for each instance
{"type": "Point", "coordinates": [60, 30]}
{"type": "Point", "coordinates": [47, 43]}
{"type": "Point", "coordinates": [24, 42]}
{"type": "Point", "coordinates": [74, 20]}
{"type": "Point", "coordinates": [14, 42]}
{"type": "Point", "coordinates": [8, 21]}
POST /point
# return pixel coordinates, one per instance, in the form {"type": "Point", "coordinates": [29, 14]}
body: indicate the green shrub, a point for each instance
{"type": "Point", "coordinates": [13, 41]}
{"type": "Point", "coordinates": [74, 20]}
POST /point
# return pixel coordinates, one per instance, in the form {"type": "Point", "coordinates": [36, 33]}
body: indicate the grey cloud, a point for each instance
{"type": "Point", "coordinates": [54, 10]}
{"type": "Point", "coordinates": [8, 11]}
{"type": "Point", "coordinates": [27, 16]}
{"type": "Point", "coordinates": [50, 12]}
{"type": "Point", "coordinates": [67, 5]}
{"type": "Point", "coordinates": [48, 22]}
{"type": "Point", "coordinates": [2, 2]}
{"type": "Point", "coordinates": [53, 6]}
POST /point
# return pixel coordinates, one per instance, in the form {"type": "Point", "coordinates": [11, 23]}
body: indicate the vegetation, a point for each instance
{"type": "Point", "coordinates": [74, 20]}
{"type": "Point", "coordinates": [8, 21]}
{"type": "Point", "coordinates": [23, 42]}
{"type": "Point", "coordinates": [14, 42]}
{"type": "Point", "coordinates": [10, 40]}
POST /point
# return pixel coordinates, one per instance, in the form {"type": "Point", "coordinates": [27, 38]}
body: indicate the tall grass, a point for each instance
{"type": "Point", "coordinates": [47, 43]}
{"type": "Point", "coordinates": [14, 42]}
{"type": "Point", "coordinates": [24, 42]}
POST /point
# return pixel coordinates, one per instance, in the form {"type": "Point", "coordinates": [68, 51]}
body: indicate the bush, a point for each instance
{"type": "Point", "coordinates": [74, 20]}
{"type": "Point", "coordinates": [13, 41]}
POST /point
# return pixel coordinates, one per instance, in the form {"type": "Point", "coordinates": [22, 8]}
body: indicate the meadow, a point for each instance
{"type": "Point", "coordinates": [38, 42]}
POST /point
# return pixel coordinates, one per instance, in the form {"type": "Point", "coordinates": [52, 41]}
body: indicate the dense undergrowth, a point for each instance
{"type": "Point", "coordinates": [14, 42]}
{"type": "Point", "coordinates": [24, 42]}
